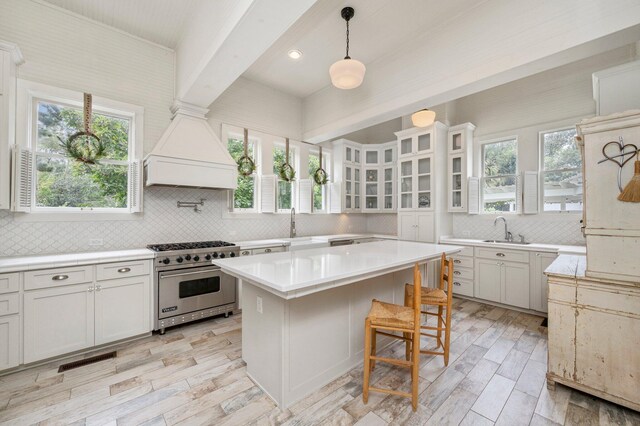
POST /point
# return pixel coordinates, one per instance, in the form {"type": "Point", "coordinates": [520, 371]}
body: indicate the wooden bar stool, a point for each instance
{"type": "Point", "coordinates": [390, 317]}
{"type": "Point", "coordinates": [440, 297]}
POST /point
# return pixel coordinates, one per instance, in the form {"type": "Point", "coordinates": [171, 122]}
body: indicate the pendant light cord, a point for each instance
{"type": "Point", "coordinates": [347, 57]}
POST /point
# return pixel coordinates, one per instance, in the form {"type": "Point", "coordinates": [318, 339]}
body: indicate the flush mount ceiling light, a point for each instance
{"type": "Point", "coordinates": [295, 54]}
{"type": "Point", "coordinates": [347, 73]}
{"type": "Point", "coordinates": [423, 118]}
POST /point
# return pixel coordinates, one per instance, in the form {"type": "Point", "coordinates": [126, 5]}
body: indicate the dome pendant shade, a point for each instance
{"type": "Point", "coordinates": [347, 73]}
{"type": "Point", "coordinates": [423, 118]}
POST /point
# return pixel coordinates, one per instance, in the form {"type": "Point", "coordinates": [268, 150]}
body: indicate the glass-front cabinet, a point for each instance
{"type": "Point", "coordinates": [415, 183]}
{"type": "Point", "coordinates": [388, 200]}
{"type": "Point", "coordinates": [459, 166]}
{"type": "Point", "coordinates": [371, 156]}
{"type": "Point", "coordinates": [371, 189]}
{"type": "Point", "coordinates": [351, 188]}
{"type": "Point", "coordinates": [416, 144]}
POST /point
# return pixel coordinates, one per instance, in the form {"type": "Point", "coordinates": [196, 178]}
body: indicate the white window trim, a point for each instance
{"type": "Point", "coordinates": [542, 171]}
{"type": "Point", "coordinates": [28, 93]}
{"type": "Point", "coordinates": [238, 132]}
{"type": "Point", "coordinates": [481, 145]}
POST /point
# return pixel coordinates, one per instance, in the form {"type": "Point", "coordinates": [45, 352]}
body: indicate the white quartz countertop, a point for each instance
{"type": "Point", "coordinates": [253, 244]}
{"type": "Point", "coordinates": [562, 249]}
{"type": "Point", "coordinates": [295, 274]}
{"type": "Point", "coordinates": [28, 263]}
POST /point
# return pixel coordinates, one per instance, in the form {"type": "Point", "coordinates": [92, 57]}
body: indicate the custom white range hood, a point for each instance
{"type": "Point", "coordinates": [189, 153]}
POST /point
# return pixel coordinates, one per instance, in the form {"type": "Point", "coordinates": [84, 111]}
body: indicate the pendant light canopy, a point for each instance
{"type": "Point", "coordinates": [347, 73]}
{"type": "Point", "coordinates": [423, 118]}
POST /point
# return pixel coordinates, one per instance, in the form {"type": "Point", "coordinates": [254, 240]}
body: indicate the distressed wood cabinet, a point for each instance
{"type": "Point", "coordinates": [594, 326]}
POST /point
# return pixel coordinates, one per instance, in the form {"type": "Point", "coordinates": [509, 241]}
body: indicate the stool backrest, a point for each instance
{"type": "Point", "coordinates": [446, 273]}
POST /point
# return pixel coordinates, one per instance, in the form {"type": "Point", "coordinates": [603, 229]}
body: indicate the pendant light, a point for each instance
{"type": "Point", "coordinates": [347, 73]}
{"type": "Point", "coordinates": [423, 118]}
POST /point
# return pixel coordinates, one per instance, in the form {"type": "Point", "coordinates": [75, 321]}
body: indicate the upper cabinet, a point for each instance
{"type": "Point", "coordinates": [420, 141]}
{"type": "Point", "coordinates": [459, 166]}
{"type": "Point", "coordinates": [10, 58]}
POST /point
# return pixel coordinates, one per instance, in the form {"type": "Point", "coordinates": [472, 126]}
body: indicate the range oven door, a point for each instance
{"type": "Point", "coordinates": [189, 290]}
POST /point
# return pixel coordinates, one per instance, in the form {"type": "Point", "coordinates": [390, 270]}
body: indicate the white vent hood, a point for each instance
{"type": "Point", "coordinates": [189, 153]}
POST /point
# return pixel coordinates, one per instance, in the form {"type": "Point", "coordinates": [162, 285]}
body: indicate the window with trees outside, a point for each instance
{"type": "Point", "coordinates": [560, 171]}
{"type": "Point", "coordinates": [244, 195]}
{"type": "Point", "coordinates": [284, 189]}
{"type": "Point", "coordinates": [499, 170]}
{"type": "Point", "coordinates": [318, 190]}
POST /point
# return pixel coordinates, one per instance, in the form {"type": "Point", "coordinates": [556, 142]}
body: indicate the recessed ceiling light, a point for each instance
{"type": "Point", "coordinates": [295, 54]}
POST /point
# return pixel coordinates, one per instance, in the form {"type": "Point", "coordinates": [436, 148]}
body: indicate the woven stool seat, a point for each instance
{"type": "Point", "coordinates": [429, 296]}
{"type": "Point", "coordinates": [390, 315]}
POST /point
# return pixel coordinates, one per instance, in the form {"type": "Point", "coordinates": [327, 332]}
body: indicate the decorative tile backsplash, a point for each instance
{"type": "Point", "coordinates": [551, 228]}
{"type": "Point", "coordinates": [164, 222]}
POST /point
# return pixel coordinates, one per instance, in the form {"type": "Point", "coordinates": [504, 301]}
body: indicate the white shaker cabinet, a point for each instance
{"type": "Point", "coordinates": [459, 167]}
{"type": "Point", "coordinates": [58, 320]}
{"type": "Point", "coordinates": [488, 279]}
{"type": "Point", "coordinates": [121, 308]}
{"type": "Point", "coordinates": [515, 284]}
{"type": "Point", "coordinates": [9, 341]}
{"type": "Point", "coordinates": [416, 226]}
{"type": "Point", "coordinates": [502, 276]}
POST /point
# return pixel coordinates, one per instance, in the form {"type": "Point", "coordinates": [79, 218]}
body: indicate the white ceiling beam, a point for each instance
{"type": "Point", "coordinates": [495, 43]}
{"type": "Point", "coordinates": [223, 38]}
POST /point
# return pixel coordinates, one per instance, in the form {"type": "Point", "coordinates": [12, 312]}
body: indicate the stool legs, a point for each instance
{"type": "Point", "coordinates": [374, 339]}
{"type": "Point", "coordinates": [367, 360]}
{"type": "Point", "coordinates": [447, 334]}
{"type": "Point", "coordinates": [439, 339]}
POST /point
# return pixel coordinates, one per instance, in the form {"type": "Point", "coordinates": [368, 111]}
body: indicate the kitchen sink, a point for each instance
{"type": "Point", "coordinates": [505, 242]}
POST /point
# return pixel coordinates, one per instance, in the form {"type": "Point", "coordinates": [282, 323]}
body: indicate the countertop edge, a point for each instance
{"type": "Point", "coordinates": [552, 248]}
{"type": "Point", "coordinates": [31, 263]}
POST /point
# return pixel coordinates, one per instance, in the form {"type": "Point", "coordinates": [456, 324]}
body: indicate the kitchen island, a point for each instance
{"type": "Point", "coordinates": [304, 311]}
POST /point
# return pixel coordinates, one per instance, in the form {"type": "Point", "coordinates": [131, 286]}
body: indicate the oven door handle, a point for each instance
{"type": "Point", "coordinates": [180, 274]}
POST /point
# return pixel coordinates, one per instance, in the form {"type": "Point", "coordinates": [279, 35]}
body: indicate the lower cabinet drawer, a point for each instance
{"type": "Point", "coordinates": [110, 271]}
{"type": "Point", "coordinates": [246, 252]}
{"type": "Point", "coordinates": [269, 250]}
{"type": "Point", "coordinates": [9, 303]}
{"type": "Point", "coordinates": [502, 254]}
{"type": "Point", "coordinates": [463, 273]}
{"type": "Point", "coordinates": [9, 341]}
{"type": "Point", "coordinates": [48, 278]}
{"type": "Point", "coordinates": [463, 287]}
{"type": "Point", "coordinates": [9, 283]}
{"type": "Point", "coordinates": [462, 262]}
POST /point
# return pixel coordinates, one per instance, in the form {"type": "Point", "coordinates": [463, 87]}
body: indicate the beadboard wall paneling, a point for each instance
{"type": "Point", "coordinates": [64, 50]}
{"type": "Point", "coordinates": [549, 228]}
{"type": "Point", "coordinates": [163, 222]}
{"type": "Point", "coordinates": [247, 103]}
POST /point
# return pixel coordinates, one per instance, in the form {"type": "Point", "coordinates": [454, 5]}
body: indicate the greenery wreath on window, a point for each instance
{"type": "Point", "coordinates": [246, 165]}
{"type": "Point", "coordinates": [286, 171]}
{"type": "Point", "coordinates": [85, 146]}
{"type": "Point", "coordinates": [320, 176]}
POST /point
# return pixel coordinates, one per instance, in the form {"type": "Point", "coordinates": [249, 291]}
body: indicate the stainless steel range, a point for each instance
{"type": "Point", "coordinates": [187, 286]}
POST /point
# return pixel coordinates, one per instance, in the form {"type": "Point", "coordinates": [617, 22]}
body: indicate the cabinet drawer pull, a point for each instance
{"type": "Point", "coordinates": [123, 270]}
{"type": "Point", "coordinates": [245, 253]}
{"type": "Point", "coordinates": [500, 254]}
{"type": "Point", "coordinates": [456, 261]}
{"type": "Point", "coordinates": [456, 283]}
{"type": "Point", "coordinates": [59, 277]}
{"type": "Point", "coordinates": [267, 250]}
{"type": "Point", "coordinates": [98, 287]}
{"type": "Point", "coordinates": [90, 289]}
{"type": "Point", "coordinates": [456, 272]}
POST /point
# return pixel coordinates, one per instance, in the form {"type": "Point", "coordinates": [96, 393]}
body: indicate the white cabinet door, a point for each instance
{"type": "Point", "coordinates": [488, 275]}
{"type": "Point", "coordinates": [539, 285]}
{"type": "Point", "coordinates": [58, 321]}
{"type": "Point", "coordinates": [407, 226]}
{"type": "Point", "coordinates": [9, 341]}
{"type": "Point", "coordinates": [515, 284]}
{"type": "Point", "coordinates": [426, 227]}
{"type": "Point", "coordinates": [122, 309]}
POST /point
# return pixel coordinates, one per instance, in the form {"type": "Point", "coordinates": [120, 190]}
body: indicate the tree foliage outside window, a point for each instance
{"type": "Point", "coordinates": [244, 195]}
{"type": "Point", "coordinates": [314, 164]}
{"type": "Point", "coordinates": [62, 182]}
{"type": "Point", "coordinates": [561, 171]}
{"type": "Point", "coordinates": [285, 189]}
{"type": "Point", "coordinates": [499, 168]}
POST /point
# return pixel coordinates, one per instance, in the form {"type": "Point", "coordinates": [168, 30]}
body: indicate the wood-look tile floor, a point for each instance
{"type": "Point", "coordinates": [195, 375]}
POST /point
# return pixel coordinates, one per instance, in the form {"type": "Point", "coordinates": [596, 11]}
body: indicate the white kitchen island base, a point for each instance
{"type": "Point", "coordinates": [296, 346]}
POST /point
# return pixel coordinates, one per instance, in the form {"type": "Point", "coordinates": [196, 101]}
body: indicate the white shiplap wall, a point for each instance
{"type": "Point", "coordinates": [64, 50]}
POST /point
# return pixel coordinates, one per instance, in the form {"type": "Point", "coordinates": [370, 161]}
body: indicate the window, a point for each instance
{"type": "Point", "coordinates": [560, 171]}
{"type": "Point", "coordinates": [318, 190]}
{"type": "Point", "coordinates": [59, 182]}
{"type": "Point", "coordinates": [244, 196]}
{"type": "Point", "coordinates": [499, 169]}
{"type": "Point", "coordinates": [285, 189]}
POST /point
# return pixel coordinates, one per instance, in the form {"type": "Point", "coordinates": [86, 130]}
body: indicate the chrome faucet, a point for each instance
{"type": "Point", "coordinates": [292, 228]}
{"type": "Point", "coordinates": [507, 234]}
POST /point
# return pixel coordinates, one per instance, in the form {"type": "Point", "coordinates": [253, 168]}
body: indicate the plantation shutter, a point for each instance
{"type": "Point", "coordinates": [529, 192]}
{"type": "Point", "coordinates": [135, 187]}
{"type": "Point", "coordinates": [473, 193]}
{"type": "Point", "coordinates": [268, 194]}
{"type": "Point", "coordinates": [335, 197]}
{"type": "Point", "coordinates": [305, 189]}
{"type": "Point", "coordinates": [22, 187]}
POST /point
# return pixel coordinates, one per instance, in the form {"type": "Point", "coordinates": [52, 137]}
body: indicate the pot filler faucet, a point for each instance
{"type": "Point", "coordinates": [507, 234]}
{"type": "Point", "coordinates": [292, 228]}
